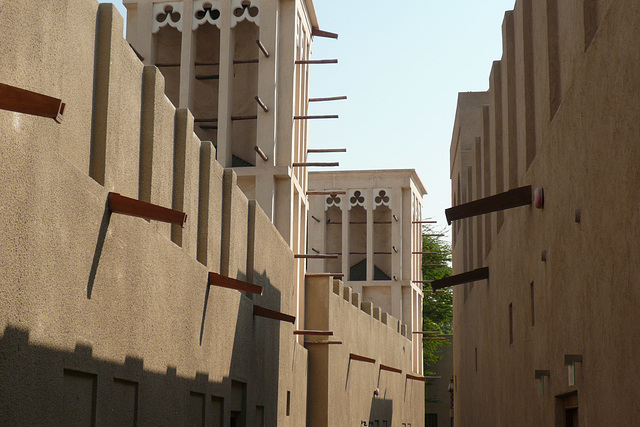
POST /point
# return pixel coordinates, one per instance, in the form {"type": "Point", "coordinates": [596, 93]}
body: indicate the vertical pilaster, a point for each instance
{"type": "Point", "coordinates": [396, 233]}
{"type": "Point", "coordinates": [268, 83]}
{"type": "Point", "coordinates": [265, 190]}
{"type": "Point", "coordinates": [407, 230]}
{"type": "Point", "coordinates": [187, 56]}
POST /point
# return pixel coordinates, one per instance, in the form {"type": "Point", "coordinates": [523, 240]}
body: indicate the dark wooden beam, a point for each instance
{"type": "Point", "coordinates": [133, 207]}
{"type": "Point", "coordinates": [28, 102]}
{"type": "Point", "coordinates": [323, 342]}
{"type": "Point", "coordinates": [316, 164]}
{"type": "Point", "coordinates": [272, 314]}
{"type": "Point", "coordinates": [216, 279]}
{"type": "Point", "coordinates": [390, 369]}
{"type": "Point", "coordinates": [353, 356]}
{"type": "Point", "coordinates": [316, 256]}
{"type": "Point", "coordinates": [320, 33]}
{"type": "Point", "coordinates": [326, 150]}
{"type": "Point", "coordinates": [264, 50]}
{"type": "Point", "coordinates": [261, 153]}
{"type": "Point", "coordinates": [316, 61]}
{"type": "Point", "coordinates": [510, 199]}
{"type": "Point", "coordinates": [325, 193]}
{"type": "Point", "coordinates": [310, 332]}
{"type": "Point", "coordinates": [324, 275]}
{"type": "Point", "coordinates": [321, 116]}
{"type": "Point", "coordinates": [416, 377]}
{"type": "Point", "coordinates": [328, 98]}
{"type": "Point", "coordinates": [261, 104]}
{"type": "Point", "coordinates": [459, 279]}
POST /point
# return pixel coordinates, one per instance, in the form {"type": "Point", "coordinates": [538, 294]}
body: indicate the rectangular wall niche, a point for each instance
{"type": "Point", "coordinates": [79, 398]}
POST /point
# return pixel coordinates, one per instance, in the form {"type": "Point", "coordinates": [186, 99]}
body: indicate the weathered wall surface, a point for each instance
{"type": "Point", "coordinates": [341, 390]}
{"type": "Point", "coordinates": [571, 287]}
{"type": "Point", "coordinates": [108, 318]}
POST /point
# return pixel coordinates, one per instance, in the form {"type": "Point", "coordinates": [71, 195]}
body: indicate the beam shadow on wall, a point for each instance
{"type": "Point", "coordinates": [102, 235]}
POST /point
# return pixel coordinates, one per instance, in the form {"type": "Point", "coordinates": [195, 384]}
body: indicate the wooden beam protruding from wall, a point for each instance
{"type": "Point", "coordinates": [272, 314]}
{"type": "Point", "coordinates": [263, 49]}
{"type": "Point", "coordinates": [316, 61]}
{"type": "Point", "coordinates": [261, 153]}
{"type": "Point", "coordinates": [133, 207]}
{"type": "Point", "coordinates": [319, 116]}
{"type": "Point", "coordinates": [316, 256]}
{"type": "Point", "coordinates": [320, 33]}
{"type": "Point", "coordinates": [509, 199]}
{"type": "Point", "coordinates": [310, 332]}
{"type": "Point", "coordinates": [353, 356]}
{"type": "Point", "coordinates": [216, 279]}
{"type": "Point", "coordinates": [416, 377]}
{"type": "Point", "coordinates": [315, 164]}
{"type": "Point", "coordinates": [323, 342]}
{"type": "Point", "coordinates": [326, 150]}
{"type": "Point", "coordinates": [328, 98]}
{"type": "Point", "coordinates": [325, 193]}
{"type": "Point", "coordinates": [459, 279]}
{"type": "Point", "coordinates": [324, 275]}
{"type": "Point", "coordinates": [390, 369]}
{"type": "Point", "coordinates": [27, 102]}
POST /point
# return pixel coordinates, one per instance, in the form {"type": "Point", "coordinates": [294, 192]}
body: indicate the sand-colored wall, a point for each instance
{"type": "Point", "coordinates": [341, 390]}
{"type": "Point", "coordinates": [585, 292]}
{"type": "Point", "coordinates": [108, 318]}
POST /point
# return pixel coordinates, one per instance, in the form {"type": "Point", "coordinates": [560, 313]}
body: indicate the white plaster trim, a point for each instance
{"type": "Point", "coordinates": [198, 6]}
{"type": "Point", "coordinates": [333, 200]}
{"type": "Point", "coordinates": [381, 196]}
{"type": "Point", "coordinates": [245, 15]}
{"type": "Point", "coordinates": [158, 9]}
{"type": "Point", "coordinates": [356, 200]}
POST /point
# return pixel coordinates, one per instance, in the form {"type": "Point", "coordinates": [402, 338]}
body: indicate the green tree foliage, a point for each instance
{"type": "Point", "coordinates": [437, 308]}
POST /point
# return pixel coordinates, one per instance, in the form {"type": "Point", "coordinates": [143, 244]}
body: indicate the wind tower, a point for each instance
{"type": "Point", "coordinates": [242, 68]}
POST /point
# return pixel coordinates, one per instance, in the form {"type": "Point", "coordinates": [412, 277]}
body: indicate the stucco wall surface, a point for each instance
{"type": "Point", "coordinates": [108, 318]}
{"type": "Point", "coordinates": [582, 298]}
{"type": "Point", "coordinates": [341, 390]}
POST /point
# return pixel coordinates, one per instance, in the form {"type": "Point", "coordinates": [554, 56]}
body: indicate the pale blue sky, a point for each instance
{"type": "Point", "coordinates": [402, 65]}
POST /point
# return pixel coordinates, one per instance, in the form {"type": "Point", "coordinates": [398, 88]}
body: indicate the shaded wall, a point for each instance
{"type": "Point", "coordinates": [558, 285]}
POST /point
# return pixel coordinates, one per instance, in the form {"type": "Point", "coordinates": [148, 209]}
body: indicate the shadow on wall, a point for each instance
{"type": "Point", "coordinates": [381, 414]}
{"type": "Point", "coordinates": [41, 384]}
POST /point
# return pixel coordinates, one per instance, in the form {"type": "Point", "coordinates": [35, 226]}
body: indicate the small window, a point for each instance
{"type": "Point", "coordinates": [288, 403]}
{"type": "Point", "coordinates": [533, 312]}
{"type": "Point", "coordinates": [511, 323]}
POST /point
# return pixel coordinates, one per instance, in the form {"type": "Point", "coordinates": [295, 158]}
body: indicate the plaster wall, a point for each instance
{"type": "Point", "coordinates": [572, 286]}
{"type": "Point", "coordinates": [113, 312]}
{"type": "Point", "coordinates": [341, 390]}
